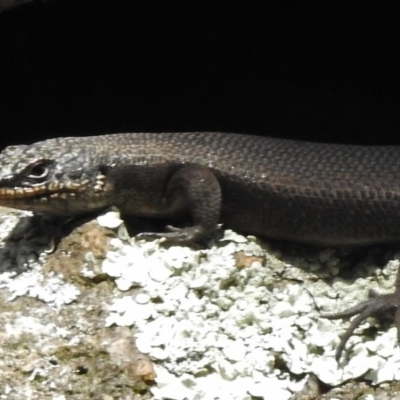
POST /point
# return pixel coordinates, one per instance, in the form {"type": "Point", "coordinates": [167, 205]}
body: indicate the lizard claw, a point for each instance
{"type": "Point", "coordinates": [176, 235]}
{"type": "Point", "coordinates": [376, 304]}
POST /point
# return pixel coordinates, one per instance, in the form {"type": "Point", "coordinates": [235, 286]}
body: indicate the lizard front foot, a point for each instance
{"type": "Point", "coordinates": [188, 235]}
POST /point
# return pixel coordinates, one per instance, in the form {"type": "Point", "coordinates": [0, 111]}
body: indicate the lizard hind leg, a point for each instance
{"type": "Point", "coordinates": [192, 190]}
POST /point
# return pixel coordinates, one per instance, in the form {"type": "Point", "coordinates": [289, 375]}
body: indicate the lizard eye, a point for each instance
{"type": "Point", "coordinates": [38, 171]}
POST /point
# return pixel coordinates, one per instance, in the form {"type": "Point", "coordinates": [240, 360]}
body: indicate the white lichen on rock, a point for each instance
{"type": "Point", "coordinates": [209, 318]}
{"type": "Point", "coordinates": [235, 320]}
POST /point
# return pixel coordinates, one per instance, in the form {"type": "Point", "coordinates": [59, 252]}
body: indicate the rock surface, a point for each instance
{"type": "Point", "coordinates": [88, 312]}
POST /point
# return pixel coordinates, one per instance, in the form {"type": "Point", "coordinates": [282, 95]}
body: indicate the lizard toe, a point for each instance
{"type": "Point", "coordinates": [375, 305]}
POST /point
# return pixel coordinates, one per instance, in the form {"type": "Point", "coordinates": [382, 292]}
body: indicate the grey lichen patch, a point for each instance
{"type": "Point", "coordinates": [53, 341]}
{"type": "Point", "coordinates": [53, 352]}
{"type": "Point", "coordinates": [24, 241]}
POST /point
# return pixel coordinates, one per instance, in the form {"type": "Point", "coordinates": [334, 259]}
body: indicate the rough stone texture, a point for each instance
{"type": "Point", "coordinates": [57, 299]}
{"type": "Point", "coordinates": [47, 352]}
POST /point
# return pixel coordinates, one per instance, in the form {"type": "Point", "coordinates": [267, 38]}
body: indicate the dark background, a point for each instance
{"type": "Point", "coordinates": [322, 71]}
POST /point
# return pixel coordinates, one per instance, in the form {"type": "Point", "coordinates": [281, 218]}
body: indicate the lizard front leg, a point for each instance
{"type": "Point", "coordinates": [192, 190]}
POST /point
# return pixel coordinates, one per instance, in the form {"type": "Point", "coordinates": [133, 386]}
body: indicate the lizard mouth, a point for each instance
{"type": "Point", "coordinates": [45, 191]}
{"type": "Point", "coordinates": [42, 191]}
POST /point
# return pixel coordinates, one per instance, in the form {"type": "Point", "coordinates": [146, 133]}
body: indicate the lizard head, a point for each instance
{"type": "Point", "coordinates": [51, 178]}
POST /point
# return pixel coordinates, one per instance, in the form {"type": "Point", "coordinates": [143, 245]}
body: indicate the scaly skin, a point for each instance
{"type": "Point", "coordinates": [296, 191]}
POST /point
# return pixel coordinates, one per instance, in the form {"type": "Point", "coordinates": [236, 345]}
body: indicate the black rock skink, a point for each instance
{"type": "Point", "coordinates": [297, 191]}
